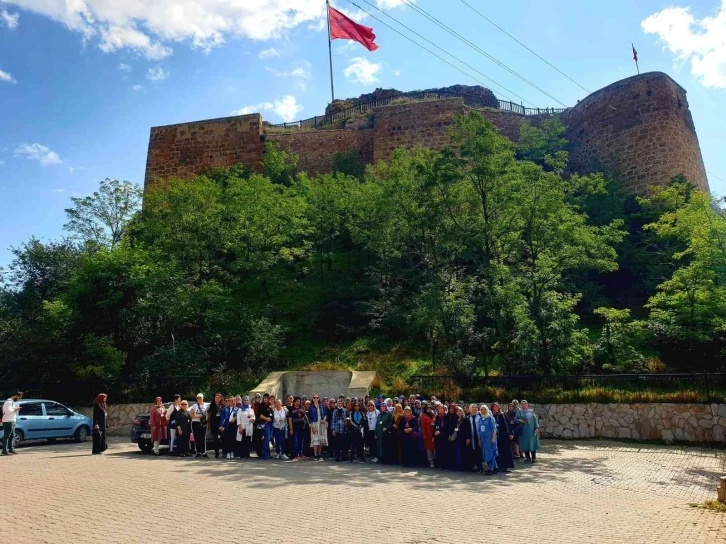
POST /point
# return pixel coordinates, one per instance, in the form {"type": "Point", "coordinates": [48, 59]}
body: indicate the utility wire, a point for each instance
{"type": "Point", "coordinates": [523, 45]}
{"type": "Point", "coordinates": [478, 49]}
{"type": "Point", "coordinates": [441, 49]}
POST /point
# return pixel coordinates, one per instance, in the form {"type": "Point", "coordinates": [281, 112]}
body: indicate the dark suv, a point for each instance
{"type": "Point", "coordinates": [141, 431]}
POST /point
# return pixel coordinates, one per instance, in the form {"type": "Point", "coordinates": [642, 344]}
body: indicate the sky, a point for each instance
{"type": "Point", "coordinates": [82, 81]}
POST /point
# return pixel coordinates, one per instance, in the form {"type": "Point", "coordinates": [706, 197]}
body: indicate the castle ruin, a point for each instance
{"type": "Point", "coordinates": [638, 130]}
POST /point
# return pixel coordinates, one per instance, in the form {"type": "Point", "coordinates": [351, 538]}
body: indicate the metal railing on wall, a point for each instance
{"type": "Point", "coordinates": [700, 387]}
{"type": "Point", "coordinates": [320, 121]}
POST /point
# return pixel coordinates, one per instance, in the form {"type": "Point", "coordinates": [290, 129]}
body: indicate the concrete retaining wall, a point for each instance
{"type": "Point", "coordinates": [326, 384]}
{"type": "Point", "coordinates": [120, 416]}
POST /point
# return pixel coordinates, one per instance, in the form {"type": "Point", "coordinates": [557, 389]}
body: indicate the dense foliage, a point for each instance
{"type": "Point", "coordinates": [484, 257]}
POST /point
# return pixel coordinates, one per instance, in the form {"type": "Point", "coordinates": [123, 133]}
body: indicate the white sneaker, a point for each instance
{"type": "Point", "coordinates": [284, 457]}
{"type": "Point", "coordinates": [277, 456]}
{"type": "Point", "coordinates": [374, 460]}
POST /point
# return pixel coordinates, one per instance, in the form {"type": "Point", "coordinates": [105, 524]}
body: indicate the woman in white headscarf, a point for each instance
{"type": "Point", "coordinates": [245, 427]}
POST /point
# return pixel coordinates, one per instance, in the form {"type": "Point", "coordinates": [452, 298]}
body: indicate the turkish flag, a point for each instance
{"type": "Point", "coordinates": [343, 28]}
{"type": "Point", "coordinates": [635, 53]}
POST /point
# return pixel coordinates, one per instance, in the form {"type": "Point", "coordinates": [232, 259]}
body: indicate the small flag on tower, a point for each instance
{"type": "Point", "coordinates": [635, 58]}
{"type": "Point", "coordinates": [343, 28]}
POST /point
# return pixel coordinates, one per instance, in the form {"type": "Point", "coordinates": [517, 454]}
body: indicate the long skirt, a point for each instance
{"type": "Point", "coordinates": [504, 453]}
{"type": "Point", "coordinates": [318, 434]}
{"type": "Point", "coordinates": [489, 452]}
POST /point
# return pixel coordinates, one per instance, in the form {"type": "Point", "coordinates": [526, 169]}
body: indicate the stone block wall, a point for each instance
{"type": "Point", "coordinates": [182, 151]}
{"type": "Point", "coordinates": [317, 149]}
{"type": "Point", "coordinates": [414, 124]}
{"type": "Point", "coordinates": [656, 421]}
{"type": "Point", "coordinates": [120, 416]}
{"type": "Point", "coordinates": [639, 130]}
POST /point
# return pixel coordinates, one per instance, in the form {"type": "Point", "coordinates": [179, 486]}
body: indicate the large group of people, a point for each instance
{"type": "Point", "coordinates": [402, 430]}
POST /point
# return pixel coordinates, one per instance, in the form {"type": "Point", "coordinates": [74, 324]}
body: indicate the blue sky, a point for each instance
{"type": "Point", "coordinates": [82, 82]}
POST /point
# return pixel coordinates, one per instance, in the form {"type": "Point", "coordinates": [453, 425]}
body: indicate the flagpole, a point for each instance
{"type": "Point", "coordinates": [330, 52]}
{"type": "Point", "coordinates": [635, 58]}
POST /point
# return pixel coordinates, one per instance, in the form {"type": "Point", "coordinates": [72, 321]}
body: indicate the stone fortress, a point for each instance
{"type": "Point", "coordinates": [638, 130]}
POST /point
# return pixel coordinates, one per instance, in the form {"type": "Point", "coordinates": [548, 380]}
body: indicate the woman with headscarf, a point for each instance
{"type": "Point", "coordinates": [213, 424]}
{"type": "Point", "coordinates": [245, 427]}
{"type": "Point", "coordinates": [529, 437]}
{"type": "Point", "coordinates": [451, 424]}
{"type": "Point", "coordinates": [100, 414]}
{"type": "Point", "coordinates": [488, 439]}
{"type": "Point", "coordinates": [357, 429]}
{"type": "Point", "coordinates": [236, 411]}
{"type": "Point", "coordinates": [410, 436]}
{"type": "Point", "coordinates": [426, 422]}
{"type": "Point", "coordinates": [441, 439]}
{"type": "Point", "coordinates": [504, 438]}
{"type": "Point", "coordinates": [157, 420]}
{"type": "Point", "coordinates": [183, 429]}
{"type": "Point", "coordinates": [397, 426]}
{"type": "Point", "coordinates": [463, 435]}
{"type": "Point", "coordinates": [228, 428]}
{"type": "Point", "coordinates": [514, 429]}
{"type": "Point", "coordinates": [383, 433]}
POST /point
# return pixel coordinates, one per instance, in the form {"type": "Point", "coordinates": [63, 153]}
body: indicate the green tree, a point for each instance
{"type": "Point", "coordinates": [102, 217]}
{"type": "Point", "coordinates": [617, 349]}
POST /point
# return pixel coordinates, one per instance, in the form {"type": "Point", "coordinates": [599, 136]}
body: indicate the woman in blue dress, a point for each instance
{"type": "Point", "coordinates": [487, 429]}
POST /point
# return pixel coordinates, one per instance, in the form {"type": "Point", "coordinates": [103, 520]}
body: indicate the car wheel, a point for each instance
{"type": "Point", "coordinates": [17, 438]}
{"type": "Point", "coordinates": [146, 446]}
{"type": "Point", "coordinates": [81, 434]}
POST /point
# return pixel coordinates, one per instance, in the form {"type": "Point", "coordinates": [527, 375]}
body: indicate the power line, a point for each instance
{"type": "Point", "coordinates": [441, 49]}
{"type": "Point", "coordinates": [715, 176]}
{"type": "Point", "coordinates": [523, 45]}
{"type": "Point", "coordinates": [478, 49]}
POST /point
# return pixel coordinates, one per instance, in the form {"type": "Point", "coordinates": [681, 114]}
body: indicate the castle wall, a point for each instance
{"type": "Point", "coordinates": [414, 124]}
{"type": "Point", "coordinates": [182, 151]}
{"type": "Point", "coordinates": [638, 130]}
{"type": "Point", "coordinates": [317, 149]}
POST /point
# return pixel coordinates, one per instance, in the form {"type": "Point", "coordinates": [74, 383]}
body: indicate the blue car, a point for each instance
{"type": "Point", "coordinates": [40, 419]}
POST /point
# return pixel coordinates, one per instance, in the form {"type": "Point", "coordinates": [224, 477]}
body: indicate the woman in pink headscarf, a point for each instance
{"type": "Point", "coordinates": [158, 424]}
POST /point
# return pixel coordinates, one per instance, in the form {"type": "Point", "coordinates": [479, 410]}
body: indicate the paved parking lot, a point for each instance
{"type": "Point", "coordinates": [584, 492]}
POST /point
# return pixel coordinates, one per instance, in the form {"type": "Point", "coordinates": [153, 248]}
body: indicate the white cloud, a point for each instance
{"type": "Point", "coordinates": [363, 71]}
{"type": "Point", "coordinates": [386, 4]}
{"type": "Point", "coordinates": [149, 27]}
{"type": "Point", "coordinates": [58, 191]}
{"type": "Point", "coordinates": [137, 88]}
{"type": "Point", "coordinates": [10, 19]}
{"type": "Point", "coordinates": [73, 169]}
{"type": "Point", "coordinates": [6, 77]}
{"type": "Point", "coordinates": [2, 163]}
{"type": "Point", "coordinates": [37, 152]}
{"type": "Point", "coordinates": [123, 67]}
{"type": "Point", "coordinates": [287, 108]}
{"type": "Point", "coordinates": [300, 73]}
{"type": "Point", "coordinates": [397, 73]}
{"type": "Point", "coordinates": [700, 41]}
{"type": "Point", "coordinates": [269, 53]}
{"type": "Point", "coordinates": [156, 73]}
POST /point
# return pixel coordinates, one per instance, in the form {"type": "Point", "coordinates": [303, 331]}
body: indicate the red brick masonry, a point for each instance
{"type": "Point", "coordinates": [639, 130]}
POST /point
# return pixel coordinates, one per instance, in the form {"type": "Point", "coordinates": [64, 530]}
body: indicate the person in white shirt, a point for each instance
{"type": "Point", "coordinates": [279, 429]}
{"type": "Point", "coordinates": [10, 415]}
{"type": "Point", "coordinates": [198, 413]}
{"type": "Point", "coordinates": [370, 434]}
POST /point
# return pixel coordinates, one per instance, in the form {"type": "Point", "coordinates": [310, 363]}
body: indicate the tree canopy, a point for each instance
{"type": "Point", "coordinates": [483, 257]}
